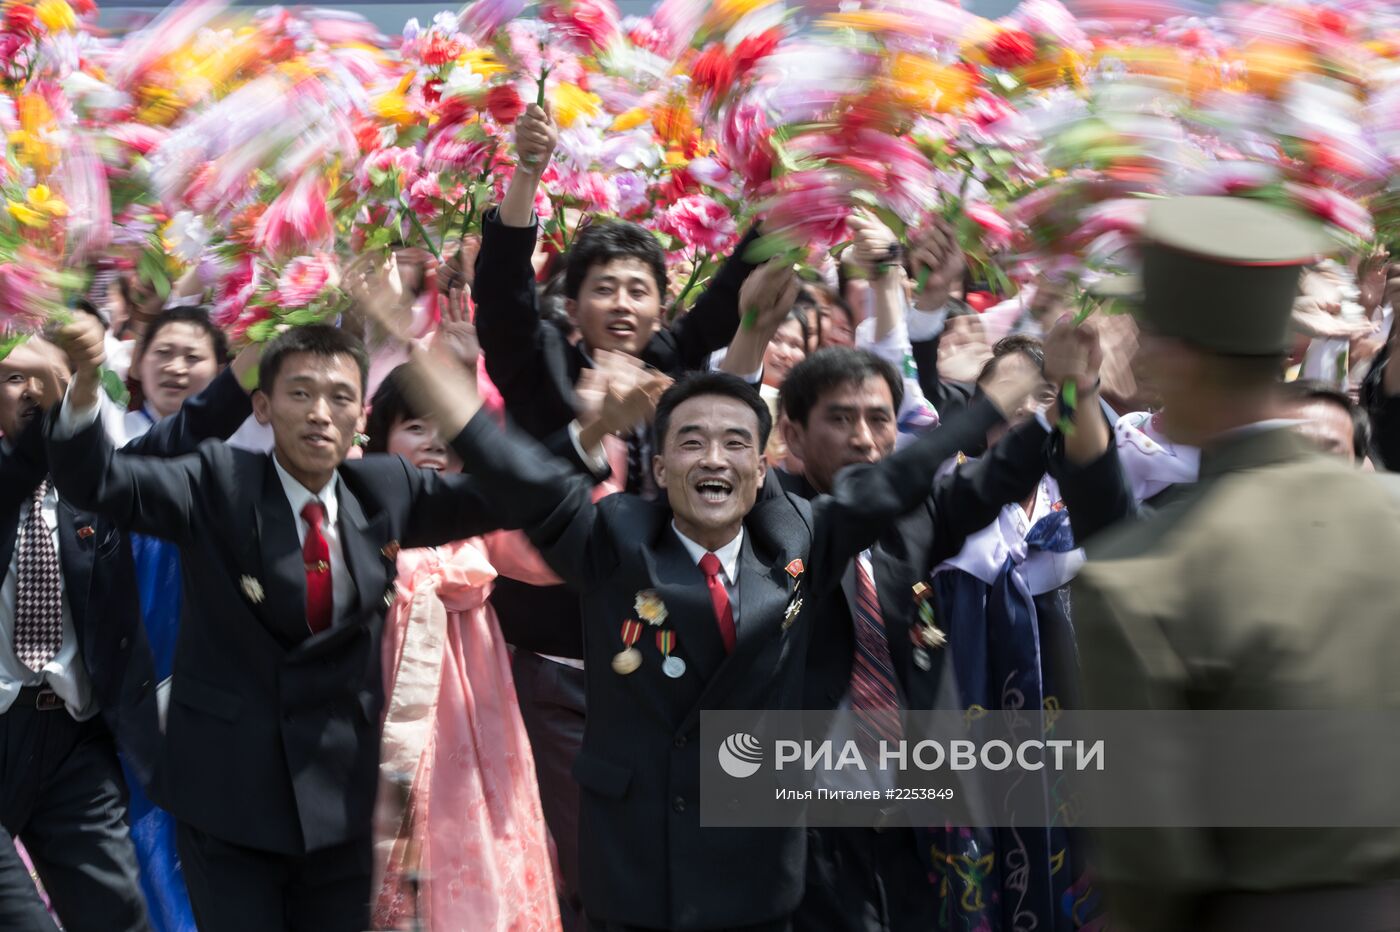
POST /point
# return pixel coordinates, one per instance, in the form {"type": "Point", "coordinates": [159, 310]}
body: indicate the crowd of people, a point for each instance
{"type": "Point", "coordinates": [406, 621]}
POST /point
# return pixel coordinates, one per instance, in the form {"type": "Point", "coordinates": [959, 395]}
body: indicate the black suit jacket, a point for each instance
{"type": "Point", "coordinates": [273, 733]}
{"type": "Point", "coordinates": [646, 860]}
{"type": "Point", "coordinates": [99, 576]}
{"type": "Point", "coordinates": [960, 504]}
{"type": "Point", "coordinates": [535, 368]}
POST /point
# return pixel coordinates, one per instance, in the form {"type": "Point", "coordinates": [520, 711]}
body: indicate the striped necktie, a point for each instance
{"type": "Point", "coordinates": [874, 695]}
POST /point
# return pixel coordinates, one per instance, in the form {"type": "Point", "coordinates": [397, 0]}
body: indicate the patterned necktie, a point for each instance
{"type": "Point", "coordinates": [316, 553]}
{"type": "Point", "coordinates": [719, 598]}
{"type": "Point", "coordinates": [39, 596]}
{"type": "Point", "coordinates": [874, 696]}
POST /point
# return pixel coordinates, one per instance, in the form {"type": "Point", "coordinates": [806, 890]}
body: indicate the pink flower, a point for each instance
{"type": "Point", "coordinates": [996, 228]}
{"type": "Point", "coordinates": [589, 25]}
{"type": "Point", "coordinates": [235, 291]}
{"type": "Point", "coordinates": [395, 159]}
{"type": "Point", "coordinates": [743, 138]}
{"type": "Point", "coordinates": [1048, 19]}
{"type": "Point", "coordinates": [305, 277]}
{"type": "Point", "coordinates": [810, 208]}
{"type": "Point", "coordinates": [482, 18]}
{"type": "Point", "coordinates": [1333, 208]}
{"type": "Point", "coordinates": [298, 221]}
{"type": "Point", "coordinates": [595, 189]}
{"type": "Point", "coordinates": [425, 196]}
{"type": "Point", "coordinates": [27, 295]}
{"type": "Point", "coordinates": [700, 222]}
{"type": "Point", "coordinates": [447, 151]}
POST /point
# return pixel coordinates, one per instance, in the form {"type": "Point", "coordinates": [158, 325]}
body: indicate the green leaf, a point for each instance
{"type": "Point", "coordinates": [9, 341]}
{"type": "Point", "coordinates": [766, 247]}
{"type": "Point", "coordinates": [262, 331]}
{"type": "Point", "coordinates": [114, 387]}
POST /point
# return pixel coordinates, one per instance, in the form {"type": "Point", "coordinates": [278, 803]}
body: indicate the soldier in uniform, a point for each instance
{"type": "Point", "coordinates": [1266, 586]}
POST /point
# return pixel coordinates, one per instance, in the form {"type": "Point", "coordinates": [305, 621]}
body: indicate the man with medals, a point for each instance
{"type": "Point", "coordinates": [881, 636]}
{"type": "Point", "coordinates": [725, 570]}
{"type": "Point", "coordinates": [1261, 587]}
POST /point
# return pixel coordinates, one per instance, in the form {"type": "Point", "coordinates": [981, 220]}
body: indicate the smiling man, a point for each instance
{"type": "Point", "coordinates": [691, 602]}
{"type": "Point", "coordinates": [287, 560]}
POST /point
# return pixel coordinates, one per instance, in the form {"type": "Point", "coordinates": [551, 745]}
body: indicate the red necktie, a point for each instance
{"type": "Point", "coordinates": [874, 695]}
{"type": "Point", "coordinates": [719, 597]}
{"type": "Point", "coordinates": [316, 554]}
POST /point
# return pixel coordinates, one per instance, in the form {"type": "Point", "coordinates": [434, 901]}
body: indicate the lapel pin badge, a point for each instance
{"type": "Point", "coordinates": [85, 532]}
{"type": "Point", "coordinates": [390, 550]}
{"type": "Point", "coordinates": [790, 614]}
{"type": "Point", "coordinates": [794, 569]}
{"type": "Point", "coordinates": [252, 589]}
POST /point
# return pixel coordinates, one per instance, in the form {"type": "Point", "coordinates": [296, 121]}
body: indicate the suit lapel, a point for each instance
{"type": "Point", "coordinates": [360, 540]}
{"type": "Point", "coordinates": [279, 548]}
{"type": "Point", "coordinates": [689, 613]}
{"type": "Point", "coordinates": [76, 556]}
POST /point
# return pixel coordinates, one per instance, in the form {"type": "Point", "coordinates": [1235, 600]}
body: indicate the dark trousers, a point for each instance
{"type": "Point", "coordinates": [62, 794]}
{"type": "Point", "coordinates": [552, 706]}
{"type": "Point", "coordinates": [236, 889]}
{"type": "Point", "coordinates": [863, 880]}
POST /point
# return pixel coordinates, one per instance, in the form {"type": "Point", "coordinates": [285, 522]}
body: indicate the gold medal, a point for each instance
{"type": "Point", "coordinates": [627, 661]}
{"type": "Point", "coordinates": [629, 658]}
{"type": "Point", "coordinates": [650, 608]}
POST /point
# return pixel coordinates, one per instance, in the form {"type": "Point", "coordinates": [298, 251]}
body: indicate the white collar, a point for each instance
{"type": "Point", "coordinates": [299, 495]}
{"type": "Point", "coordinates": [728, 554]}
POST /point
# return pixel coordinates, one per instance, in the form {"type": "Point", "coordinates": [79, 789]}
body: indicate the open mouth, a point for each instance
{"type": "Point", "coordinates": [436, 465]}
{"type": "Point", "coordinates": [714, 491]}
{"type": "Point", "coordinates": [174, 386]}
{"type": "Point", "coordinates": [622, 328]}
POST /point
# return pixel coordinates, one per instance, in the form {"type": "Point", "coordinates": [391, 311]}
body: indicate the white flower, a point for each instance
{"type": "Point", "coordinates": [187, 236]}
{"type": "Point", "coordinates": [462, 81]}
{"type": "Point", "coordinates": [252, 589]}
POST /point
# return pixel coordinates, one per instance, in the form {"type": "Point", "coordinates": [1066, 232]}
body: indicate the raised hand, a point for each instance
{"type": "Point", "coordinates": [535, 138]}
{"type": "Point", "coordinates": [83, 340]}
{"type": "Point", "coordinates": [1073, 354]}
{"type": "Point", "coordinates": [768, 295]}
{"type": "Point", "coordinates": [936, 262]}
{"type": "Point", "coordinates": [872, 243]}
{"type": "Point", "coordinates": [456, 334]}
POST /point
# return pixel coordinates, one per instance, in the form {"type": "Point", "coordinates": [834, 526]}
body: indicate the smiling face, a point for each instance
{"type": "Point", "coordinates": [315, 408]}
{"type": "Point", "coordinates": [711, 467]}
{"type": "Point", "coordinates": [177, 363]}
{"type": "Point", "coordinates": [851, 423]}
{"type": "Point", "coordinates": [787, 348]}
{"type": "Point", "coordinates": [618, 306]}
{"type": "Point", "coordinates": [417, 441]}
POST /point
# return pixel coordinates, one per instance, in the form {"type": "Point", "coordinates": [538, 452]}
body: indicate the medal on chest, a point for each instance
{"type": "Point", "coordinates": [672, 666]}
{"type": "Point", "coordinates": [629, 658]}
{"type": "Point", "coordinates": [925, 635]}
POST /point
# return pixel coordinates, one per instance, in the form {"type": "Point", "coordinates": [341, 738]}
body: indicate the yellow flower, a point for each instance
{"type": "Point", "coordinates": [36, 121]}
{"type": "Point", "coordinates": [924, 82]}
{"type": "Point", "coordinates": [481, 62]}
{"type": "Point", "coordinates": [629, 120]}
{"type": "Point", "coordinates": [56, 15]}
{"type": "Point", "coordinates": [394, 108]}
{"type": "Point", "coordinates": [159, 106]}
{"type": "Point", "coordinates": [727, 12]}
{"type": "Point", "coordinates": [868, 21]}
{"type": "Point", "coordinates": [675, 158]}
{"type": "Point", "coordinates": [571, 102]}
{"type": "Point", "coordinates": [39, 207]}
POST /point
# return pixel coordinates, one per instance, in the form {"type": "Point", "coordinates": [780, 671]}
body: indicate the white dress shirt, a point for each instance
{"type": "Point", "coordinates": [298, 496]}
{"type": "Point", "coordinates": [65, 673]}
{"type": "Point", "coordinates": [728, 564]}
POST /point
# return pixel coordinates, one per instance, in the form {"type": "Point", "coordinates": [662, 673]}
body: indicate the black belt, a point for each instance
{"type": "Point", "coordinates": [41, 698]}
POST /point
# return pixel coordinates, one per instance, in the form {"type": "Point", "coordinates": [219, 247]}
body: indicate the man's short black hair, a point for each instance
{"type": "Point", "coordinates": [389, 406]}
{"type": "Point", "coordinates": [317, 339]}
{"type": "Point", "coordinates": [1303, 391]}
{"type": "Point", "coordinates": [601, 243]}
{"type": "Point", "coordinates": [1022, 343]}
{"type": "Point", "coordinates": [199, 317]}
{"type": "Point", "coordinates": [830, 368]}
{"type": "Point", "coordinates": [709, 383]}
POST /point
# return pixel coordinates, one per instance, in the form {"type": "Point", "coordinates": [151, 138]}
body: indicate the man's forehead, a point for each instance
{"type": "Point", "coordinates": [714, 413]}
{"type": "Point", "coordinates": [866, 392]}
{"type": "Point", "coordinates": [622, 267]}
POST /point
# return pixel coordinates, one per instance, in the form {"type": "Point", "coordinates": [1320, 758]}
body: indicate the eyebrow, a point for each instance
{"type": "Point", "coordinates": [613, 278]}
{"type": "Point", "coordinates": [743, 432]}
{"type": "Point", "coordinates": [851, 409]}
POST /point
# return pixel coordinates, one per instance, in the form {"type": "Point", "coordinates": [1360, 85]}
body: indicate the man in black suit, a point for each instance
{"type": "Point", "coordinates": [840, 406]}
{"type": "Point", "coordinates": [711, 576]}
{"type": "Point", "coordinates": [615, 290]}
{"type": "Point", "coordinates": [272, 755]}
{"type": "Point", "coordinates": [73, 647]}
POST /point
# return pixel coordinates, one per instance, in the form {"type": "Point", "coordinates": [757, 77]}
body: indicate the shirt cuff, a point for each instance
{"type": "Point", "coordinates": [924, 325]}
{"type": "Point", "coordinates": [71, 421]}
{"type": "Point", "coordinates": [595, 459]}
{"type": "Point", "coordinates": [755, 377]}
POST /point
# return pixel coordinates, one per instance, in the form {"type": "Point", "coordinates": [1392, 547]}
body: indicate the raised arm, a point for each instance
{"type": "Point", "coordinates": [866, 499]}
{"type": "Point", "coordinates": [972, 495]}
{"type": "Point", "coordinates": [214, 414]}
{"type": "Point", "coordinates": [708, 326]}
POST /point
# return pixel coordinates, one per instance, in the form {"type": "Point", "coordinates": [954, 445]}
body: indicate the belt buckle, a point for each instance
{"type": "Point", "coordinates": [47, 701]}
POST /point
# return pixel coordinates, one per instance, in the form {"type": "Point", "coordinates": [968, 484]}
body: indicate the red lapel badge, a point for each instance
{"type": "Point", "coordinates": [794, 569]}
{"type": "Point", "coordinates": [85, 532]}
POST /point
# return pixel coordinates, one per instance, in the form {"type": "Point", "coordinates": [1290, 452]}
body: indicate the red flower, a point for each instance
{"type": "Point", "coordinates": [439, 50]}
{"type": "Point", "coordinates": [504, 103]}
{"type": "Point", "coordinates": [432, 92]}
{"type": "Point", "coordinates": [752, 50]}
{"type": "Point", "coordinates": [83, 7]}
{"type": "Point", "coordinates": [1332, 21]}
{"type": "Point", "coordinates": [20, 18]}
{"type": "Point", "coordinates": [591, 25]}
{"type": "Point", "coordinates": [713, 70]}
{"type": "Point", "coordinates": [1011, 48]}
